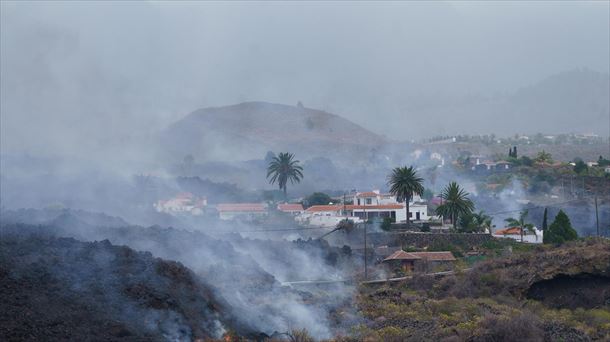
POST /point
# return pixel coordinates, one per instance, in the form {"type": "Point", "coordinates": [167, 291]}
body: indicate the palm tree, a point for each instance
{"type": "Point", "coordinates": [455, 203]}
{"type": "Point", "coordinates": [284, 168]}
{"type": "Point", "coordinates": [482, 220]}
{"type": "Point", "coordinates": [521, 224]}
{"type": "Point", "coordinates": [404, 183]}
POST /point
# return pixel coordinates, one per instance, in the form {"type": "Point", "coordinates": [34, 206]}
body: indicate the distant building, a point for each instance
{"type": "Point", "coordinates": [243, 211]}
{"type": "Point", "coordinates": [291, 208]}
{"type": "Point", "coordinates": [409, 261]}
{"type": "Point", "coordinates": [372, 204]}
{"type": "Point", "coordinates": [182, 203]}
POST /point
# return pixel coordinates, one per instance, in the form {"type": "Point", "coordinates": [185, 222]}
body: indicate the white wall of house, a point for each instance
{"type": "Point", "coordinates": [244, 215]}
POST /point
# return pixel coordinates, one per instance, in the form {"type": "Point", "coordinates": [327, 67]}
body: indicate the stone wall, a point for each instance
{"type": "Point", "coordinates": [422, 240]}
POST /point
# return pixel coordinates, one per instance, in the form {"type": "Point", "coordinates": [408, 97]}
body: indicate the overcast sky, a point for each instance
{"type": "Point", "coordinates": [89, 72]}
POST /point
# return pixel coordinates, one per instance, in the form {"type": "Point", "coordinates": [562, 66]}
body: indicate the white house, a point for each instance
{"type": "Point", "coordinates": [375, 204]}
{"type": "Point", "coordinates": [182, 203]}
{"type": "Point", "coordinates": [515, 234]}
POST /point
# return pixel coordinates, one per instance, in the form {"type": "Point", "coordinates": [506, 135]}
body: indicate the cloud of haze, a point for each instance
{"type": "Point", "coordinates": [79, 76]}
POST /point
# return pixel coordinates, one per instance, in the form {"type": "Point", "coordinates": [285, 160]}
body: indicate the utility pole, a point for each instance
{"type": "Point", "coordinates": [596, 216]}
{"type": "Point", "coordinates": [365, 262]}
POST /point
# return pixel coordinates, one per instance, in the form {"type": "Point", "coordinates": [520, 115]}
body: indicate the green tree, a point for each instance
{"type": "Point", "coordinates": [560, 230]}
{"type": "Point", "coordinates": [404, 183]}
{"type": "Point", "coordinates": [544, 157]}
{"type": "Point", "coordinates": [284, 168]}
{"type": "Point", "coordinates": [317, 198]}
{"type": "Point", "coordinates": [475, 222]}
{"type": "Point", "coordinates": [455, 203]}
{"type": "Point", "coordinates": [520, 222]}
{"type": "Point", "coordinates": [544, 220]}
{"type": "Point", "coordinates": [580, 166]}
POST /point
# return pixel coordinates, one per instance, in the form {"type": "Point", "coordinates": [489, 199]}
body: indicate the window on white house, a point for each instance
{"type": "Point", "coordinates": [369, 201]}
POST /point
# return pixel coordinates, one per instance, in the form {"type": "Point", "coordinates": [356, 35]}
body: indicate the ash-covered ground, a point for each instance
{"type": "Point", "coordinates": [234, 282]}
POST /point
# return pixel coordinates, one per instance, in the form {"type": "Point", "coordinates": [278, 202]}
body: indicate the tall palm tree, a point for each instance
{"type": "Point", "coordinates": [404, 183]}
{"type": "Point", "coordinates": [455, 203]}
{"type": "Point", "coordinates": [521, 223]}
{"type": "Point", "coordinates": [283, 168]}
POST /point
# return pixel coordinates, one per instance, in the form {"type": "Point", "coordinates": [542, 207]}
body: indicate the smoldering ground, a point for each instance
{"type": "Point", "coordinates": [245, 273]}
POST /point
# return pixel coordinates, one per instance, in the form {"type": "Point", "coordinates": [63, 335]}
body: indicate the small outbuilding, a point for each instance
{"type": "Point", "coordinates": [423, 261]}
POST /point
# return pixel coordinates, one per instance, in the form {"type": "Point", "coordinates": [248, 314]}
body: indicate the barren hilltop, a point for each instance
{"type": "Point", "coordinates": [250, 129]}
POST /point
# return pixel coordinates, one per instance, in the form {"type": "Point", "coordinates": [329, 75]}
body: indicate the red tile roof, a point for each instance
{"type": "Point", "coordinates": [401, 255]}
{"type": "Point", "coordinates": [430, 256]}
{"type": "Point", "coordinates": [290, 207]}
{"type": "Point", "coordinates": [367, 194]}
{"type": "Point", "coordinates": [508, 231]}
{"type": "Point", "coordinates": [376, 206]}
{"type": "Point", "coordinates": [246, 207]}
{"type": "Point", "coordinates": [319, 208]}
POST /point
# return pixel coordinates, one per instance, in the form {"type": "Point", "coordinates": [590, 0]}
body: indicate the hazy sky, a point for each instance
{"type": "Point", "coordinates": [91, 72]}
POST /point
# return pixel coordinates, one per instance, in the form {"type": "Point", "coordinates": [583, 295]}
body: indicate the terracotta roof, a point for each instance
{"type": "Point", "coordinates": [252, 207]}
{"type": "Point", "coordinates": [318, 208]}
{"type": "Point", "coordinates": [402, 255]}
{"type": "Point", "coordinates": [367, 194]}
{"type": "Point", "coordinates": [430, 256]}
{"type": "Point", "coordinates": [508, 231]}
{"type": "Point", "coordinates": [379, 206]}
{"type": "Point", "coordinates": [290, 207]}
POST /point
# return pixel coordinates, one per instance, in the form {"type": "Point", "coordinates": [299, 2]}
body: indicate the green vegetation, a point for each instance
{"type": "Point", "coordinates": [580, 167]}
{"type": "Point", "coordinates": [475, 223]}
{"type": "Point", "coordinates": [284, 168]}
{"type": "Point", "coordinates": [404, 183]}
{"type": "Point", "coordinates": [386, 224]}
{"type": "Point", "coordinates": [560, 230]}
{"type": "Point", "coordinates": [489, 303]}
{"type": "Point", "coordinates": [545, 225]}
{"type": "Point", "coordinates": [544, 157]}
{"type": "Point", "coordinates": [317, 198]}
{"type": "Point", "coordinates": [455, 203]}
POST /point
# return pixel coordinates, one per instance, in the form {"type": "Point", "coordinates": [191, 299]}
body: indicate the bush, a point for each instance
{"type": "Point", "coordinates": [524, 327]}
{"type": "Point", "coordinates": [386, 224]}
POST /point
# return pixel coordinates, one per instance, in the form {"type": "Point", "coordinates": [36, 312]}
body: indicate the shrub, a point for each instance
{"type": "Point", "coordinates": [524, 327]}
{"type": "Point", "coordinates": [386, 224]}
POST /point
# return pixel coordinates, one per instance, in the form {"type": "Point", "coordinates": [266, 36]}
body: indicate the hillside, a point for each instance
{"type": "Point", "coordinates": [248, 130]}
{"type": "Point", "coordinates": [547, 294]}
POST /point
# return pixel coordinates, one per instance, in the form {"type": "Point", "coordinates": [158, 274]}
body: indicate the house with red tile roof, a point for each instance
{"type": "Point", "coordinates": [291, 208]}
{"type": "Point", "coordinates": [408, 261]}
{"type": "Point", "coordinates": [515, 234]}
{"type": "Point", "coordinates": [182, 203]}
{"type": "Point", "coordinates": [371, 204]}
